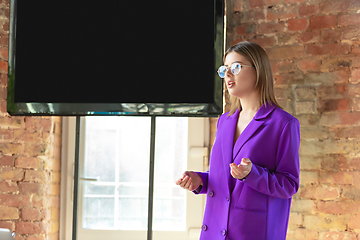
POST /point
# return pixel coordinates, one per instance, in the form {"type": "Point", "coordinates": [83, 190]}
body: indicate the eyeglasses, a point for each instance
{"type": "Point", "coordinates": [235, 68]}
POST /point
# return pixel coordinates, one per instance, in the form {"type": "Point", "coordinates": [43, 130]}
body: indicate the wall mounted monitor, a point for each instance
{"type": "Point", "coordinates": [77, 57]}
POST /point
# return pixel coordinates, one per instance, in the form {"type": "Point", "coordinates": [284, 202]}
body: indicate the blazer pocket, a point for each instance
{"type": "Point", "coordinates": [252, 200]}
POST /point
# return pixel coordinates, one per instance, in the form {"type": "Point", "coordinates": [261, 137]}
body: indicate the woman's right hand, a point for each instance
{"type": "Point", "coordinates": [189, 181]}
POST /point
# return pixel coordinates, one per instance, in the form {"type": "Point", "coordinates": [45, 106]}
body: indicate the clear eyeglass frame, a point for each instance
{"type": "Point", "coordinates": [235, 69]}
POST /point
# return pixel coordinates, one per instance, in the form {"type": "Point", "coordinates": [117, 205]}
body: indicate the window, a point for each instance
{"type": "Point", "coordinates": [113, 190]}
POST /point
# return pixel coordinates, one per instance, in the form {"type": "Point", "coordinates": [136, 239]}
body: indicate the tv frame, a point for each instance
{"type": "Point", "coordinates": [213, 109]}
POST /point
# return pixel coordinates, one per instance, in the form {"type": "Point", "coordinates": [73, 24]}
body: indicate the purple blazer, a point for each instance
{"type": "Point", "coordinates": [258, 207]}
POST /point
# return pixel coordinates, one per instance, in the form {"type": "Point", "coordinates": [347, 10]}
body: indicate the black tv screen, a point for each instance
{"type": "Point", "coordinates": [77, 57]}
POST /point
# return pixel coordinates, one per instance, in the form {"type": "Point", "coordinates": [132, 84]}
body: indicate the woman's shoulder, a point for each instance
{"type": "Point", "coordinates": [283, 116]}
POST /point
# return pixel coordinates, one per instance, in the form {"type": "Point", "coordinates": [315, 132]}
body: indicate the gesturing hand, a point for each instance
{"type": "Point", "coordinates": [190, 181]}
{"type": "Point", "coordinates": [242, 170]}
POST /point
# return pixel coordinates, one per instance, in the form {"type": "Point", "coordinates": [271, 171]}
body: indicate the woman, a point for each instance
{"type": "Point", "coordinates": [254, 162]}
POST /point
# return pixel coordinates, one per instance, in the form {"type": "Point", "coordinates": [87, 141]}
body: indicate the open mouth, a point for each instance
{"type": "Point", "coordinates": [230, 84]}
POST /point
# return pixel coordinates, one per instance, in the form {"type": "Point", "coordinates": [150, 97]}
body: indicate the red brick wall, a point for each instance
{"type": "Point", "coordinates": [29, 163]}
{"type": "Point", "coordinates": [314, 47]}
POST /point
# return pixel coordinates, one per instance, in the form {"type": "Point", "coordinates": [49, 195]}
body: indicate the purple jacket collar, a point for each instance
{"type": "Point", "coordinates": [231, 150]}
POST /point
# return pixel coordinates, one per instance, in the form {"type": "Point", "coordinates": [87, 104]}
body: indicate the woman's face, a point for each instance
{"type": "Point", "coordinates": [243, 83]}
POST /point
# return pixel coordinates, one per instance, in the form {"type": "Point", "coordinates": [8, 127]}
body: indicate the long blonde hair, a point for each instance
{"type": "Point", "coordinates": [260, 61]}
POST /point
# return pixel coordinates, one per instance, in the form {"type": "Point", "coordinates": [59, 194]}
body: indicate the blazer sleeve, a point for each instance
{"type": "Point", "coordinates": [204, 175]}
{"type": "Point", "coordinates": [284, 181]}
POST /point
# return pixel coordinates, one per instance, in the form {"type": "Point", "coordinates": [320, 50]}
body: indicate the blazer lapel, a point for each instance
{"type": "Point", "coordinates": [254, 125]}
{"type": "Point", "coordinates": [227, 142]}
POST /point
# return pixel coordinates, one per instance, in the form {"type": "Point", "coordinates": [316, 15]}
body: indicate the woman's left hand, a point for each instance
{"type": "Point", "coordinates": [242, 170]}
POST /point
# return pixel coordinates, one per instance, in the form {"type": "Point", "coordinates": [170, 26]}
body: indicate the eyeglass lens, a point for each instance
{"type": "Point", "coordinates": [234, 68]}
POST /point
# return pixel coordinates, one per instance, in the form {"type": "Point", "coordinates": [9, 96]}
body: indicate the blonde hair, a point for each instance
{"type": "Point", "coordinates": [260, 61]}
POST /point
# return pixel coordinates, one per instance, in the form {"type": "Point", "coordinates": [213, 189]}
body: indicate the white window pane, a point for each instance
{"type": "Point", "coordinates": [170, 162]}
{"type": "Point", "coordinates": [117, 151]}
{"type": "Point", "coordinates": [99, 213]}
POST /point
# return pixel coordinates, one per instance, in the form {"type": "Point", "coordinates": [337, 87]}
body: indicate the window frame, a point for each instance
{"type": "Point", "coordinates": [198, 142]}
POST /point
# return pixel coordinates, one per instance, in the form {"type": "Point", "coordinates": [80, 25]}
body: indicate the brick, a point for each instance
{"type": "Point", "coordinates": [265, 42]}
{"type": "Point", "coordinates": [308, 119]}
{"type": "Point", "coordinates": [323, 49]}
{"type": "Point", "coordinates": [309, 37]}
{"type": "Point", "coordinates": [333, 207]}
{"type": "Point", "coordinates": [8, 187]}
{"type": "Point", "coordinates": [349, 19]}
{"type": "Point", "coordinates": [3, 67]}
{"type": "Point", "coordinates": [29, 162]}
{"type": "Point", "coordinates": [246, 30]}
{"type": "Point", "coordinates": [11, 148]}
{"type": "Point", "coordinates": [302, 233]}
{"type": "Point", "coordinates": [7, 224]}
{"type": "Point", "coordinates": [305, 93]}
{"type": "Point", "coordinates": [337, 77]}
{"type": "Point", "coordinates": [309, 178]}
{"type": "Point", "coordinates": [252, 15]}
{"type": "Point", "coordinates": [266, 28]}
{"type": "Point", "coordinates": [307, 64]}
{"type": "Point", "coordinates": [355, 61]}
{"type": "Point", "coordinates": [350, 193]}
{"type": "Point", "coordinates": [305, 107]}
{"type": "Point", "coordinates": [287, 39]}
{"type": "Point", "coordinates": [55, 189]}
{"type": "Point", "coordinates": [54, 201]}
{"type": "Point", "coordinates": [282, 92]}
{"type": "Point", "coordinates": [331, 64]}
{"type": "Point", "coordinates": [320, 192]}
{"type": "Point", "coordinates": [337, 178]}
{"type": "Point", "coordinates": [12, 123]}
{"type": "Point", "coordinates": [338, 235]}
{"type": "Point", "coordinates": [30, 227]}
{"type": "Point", "coordinates": [36, 237]}
{"type": "Point", "coordinates": [354, 222]}
{"type": "Point", "coordinates": [295, 219]}
{"type": "Point", "coordinates": [350, 33]}
{"type": "Point", "coordinates": [39, 124]}
{"type": "Point", "coordinates": [308, 10]}
{"type": "Point", "coordinates": [4, 54]}
{"type": "Point", "coordinates": [7, 161]}
{"type": "Point", "coordinates": [39, 201]}
{"type": "Point", "coordinates": [273, 2]}
{"type": "Point", "coordinates": [256, 4]}
{"type": "Point", "coordinates": [281, 13]}
{"type": "Point", "coordinates": [33, 188]}
{"type": "Point", "coordinates": [353, 90]}
{"type": "Point", "coordinates": [322, 22]}
{"type": "Point", "coordinates": [308, 133]}
{"type": "Point", "coordinates": [7, 213]}
{"type": "Point", "coordinates": [27, 135]}
{"type": "Point", "coordinates": [286, 52]}
{"type": "Point", "coordinates": [297, 24]}
{"type": "Point", "coordinates": [355, 75]}
{"type": "Point", "coordinates": [310, 163]}
{"type": "Point", "coordinates": [303, 206]}
{"type": "Point", "coordinates": [345, 132]}
{"type": "Point", "coordinates": [334, 91]}
{"type": "Point", "coordinates": [35, 150]}
{"type": "Point", "coordinates": [31, 214]}
{"type": "Point", "coordinates": [329, 6]}
{"type": "Point", "coordinates": [284, 66]}
{"type": "Point", "coordinates": [14, 174]}
{"type": "Point", "coordinates": [333, 105]}
{"type": "Point", "coordinates": [356, 104]}
{"type": "Point", "coordinates": [294, 1]}
{"type": "Point", "coordinates": [15, 200]}
{"type": "Point", "coordinates": [36, 176]}
{"type": "Point", "coordinates": [316, 222]}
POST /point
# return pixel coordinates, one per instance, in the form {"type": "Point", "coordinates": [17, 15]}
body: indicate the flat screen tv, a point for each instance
{"type": "Point", "coordinates": [80, 57]}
